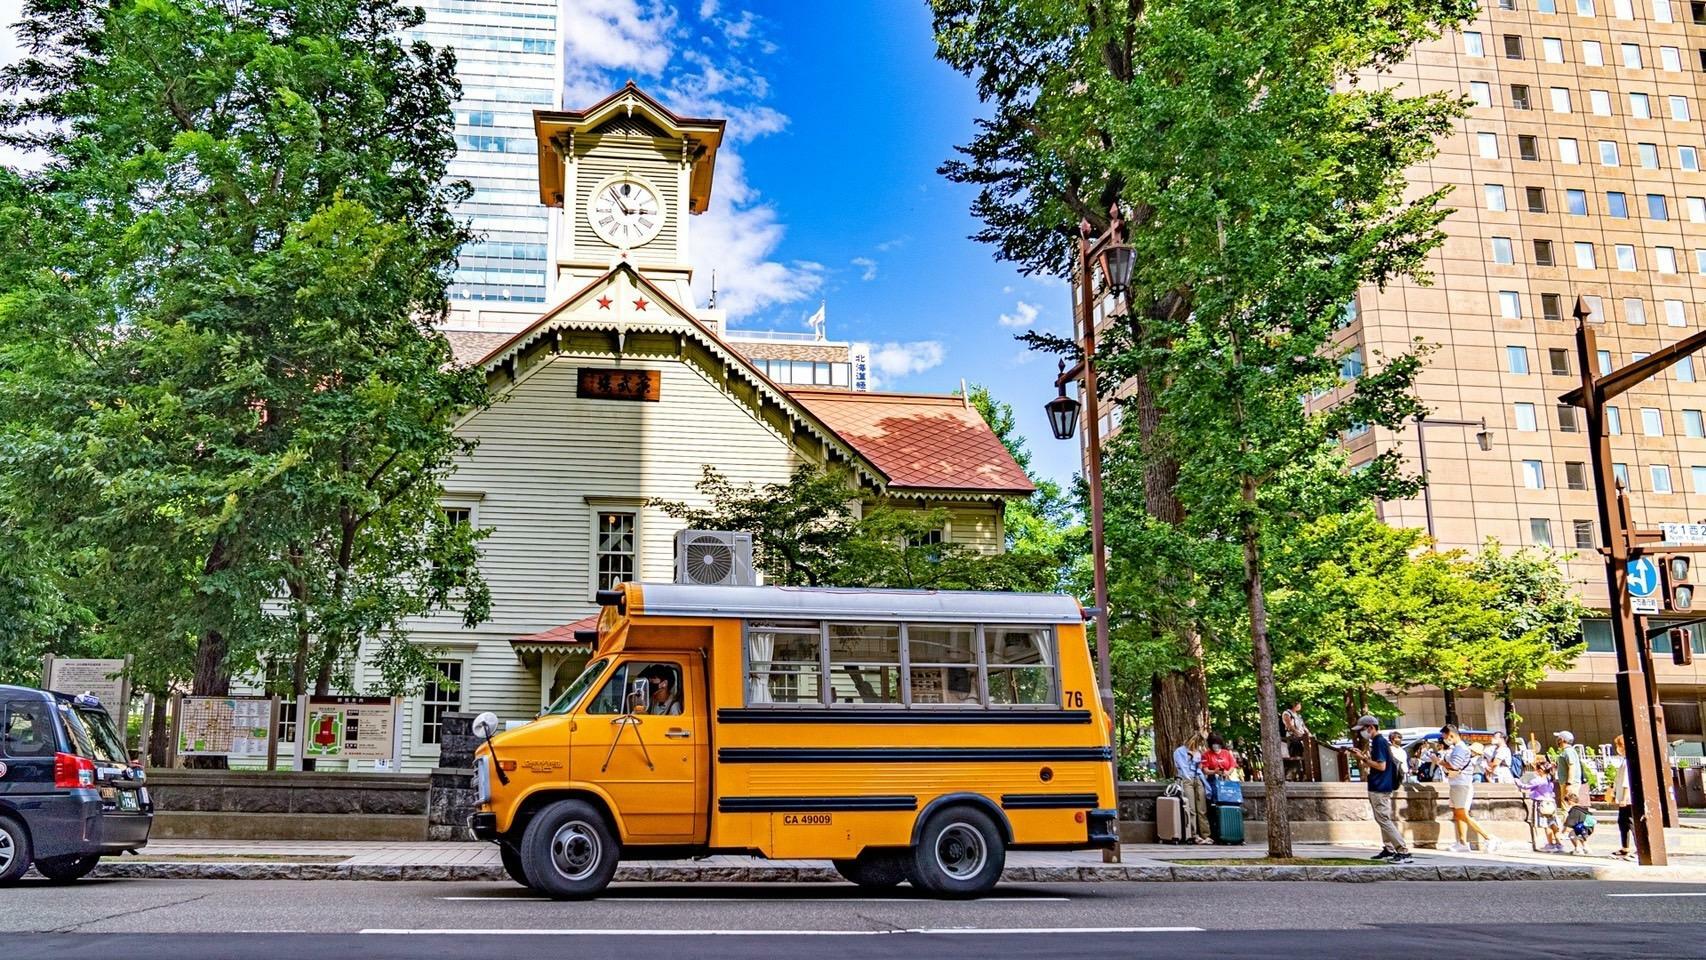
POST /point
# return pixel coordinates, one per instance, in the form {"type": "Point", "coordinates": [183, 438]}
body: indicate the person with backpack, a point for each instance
{"type": "Point", "coordinates": [1380, 771]}
{"type": "Point", "coordinates": [1498, 761]}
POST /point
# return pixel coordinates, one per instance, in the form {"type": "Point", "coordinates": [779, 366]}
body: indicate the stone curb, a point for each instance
{"type": "Point", "coordinates": [641, 872]}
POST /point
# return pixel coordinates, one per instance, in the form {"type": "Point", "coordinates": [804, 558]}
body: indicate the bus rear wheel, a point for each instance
{"type": "Point", "coordinates": [568, 851]}
{"type": "Point", "coordinates": [876, 869]}
{"type": "Point", "coordinates": [960, 853]}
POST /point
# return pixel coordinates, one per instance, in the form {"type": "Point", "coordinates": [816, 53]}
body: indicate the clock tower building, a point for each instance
{"type": "Point", "coordinates": [626, 176]}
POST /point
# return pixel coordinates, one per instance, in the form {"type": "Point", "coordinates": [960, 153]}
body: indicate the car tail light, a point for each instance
{"type": "Point", "coordinates": [71, 771]}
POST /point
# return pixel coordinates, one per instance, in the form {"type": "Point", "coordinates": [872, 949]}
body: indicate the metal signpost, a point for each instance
{"type": "Point", "coordinates": [1629, 563]}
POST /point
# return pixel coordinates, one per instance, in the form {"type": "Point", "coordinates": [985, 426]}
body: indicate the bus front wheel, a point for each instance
{"type": "Point", "coordinates": [568, 851]}
{"type": "Point", "coordinates": [511, 858]}
{"type": "Point", "coordinates": [876, 869]}
{"type": "Point", "coordinates": [960, 853]}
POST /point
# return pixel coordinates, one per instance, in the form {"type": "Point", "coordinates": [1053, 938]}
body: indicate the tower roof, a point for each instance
{"type": "Point", "coordinates": [554, 127]}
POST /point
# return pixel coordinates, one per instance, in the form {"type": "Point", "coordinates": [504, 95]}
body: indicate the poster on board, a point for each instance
{"type": "Point", "coordinates": [348, 728]}
{"type": "Point", "coordinates": [103, 678]}
{"type": "Point", "coordinates": [233, 727]}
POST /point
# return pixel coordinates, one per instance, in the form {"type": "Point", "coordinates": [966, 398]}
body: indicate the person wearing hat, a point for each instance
{"type": "Point", "coordinates": [1380, 770]}
{"type": "Point", "coordinates": [1572, 772]}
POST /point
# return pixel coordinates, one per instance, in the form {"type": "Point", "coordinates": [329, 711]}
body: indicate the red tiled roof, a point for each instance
{"type": "Point", "coordinates": [920, 441]}
{"type": "Point", "coordinates": [563, 635]}
{"type": "Point", "coordinates": [470, 346]}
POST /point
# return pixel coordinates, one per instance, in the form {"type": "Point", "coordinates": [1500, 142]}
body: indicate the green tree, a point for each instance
{"type": "Point", "coordinates": [217, 357]}
{"type": "Point", "coordinates": [1046, 524]}
{"type": "Point", "coordinates": [1542, 622]}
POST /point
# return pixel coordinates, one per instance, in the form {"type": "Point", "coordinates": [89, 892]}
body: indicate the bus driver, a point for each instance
{"type": "Point", "coordinates": [666, 697]}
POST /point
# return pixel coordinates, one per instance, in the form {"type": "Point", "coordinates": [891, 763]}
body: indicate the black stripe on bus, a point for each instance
{"type": "Point", "coordinates": [867, 715]}
{"type": "Point", "coordinates": [803, 804]}
{"type": "Point", "coordinates": [1047, 801]}
{"type": "Point", "coordinates": [910, 754]}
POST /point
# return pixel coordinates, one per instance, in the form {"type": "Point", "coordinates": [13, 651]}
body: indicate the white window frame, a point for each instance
{"type": "Point", "coordinates": [1533, 475]}
{"type": "Point", "coordinates": [1569, 151]}
{"type": "Point", "coordinates": [1552, 49]}
{"type": "Point", "coordinates": [1510, 305]}
{"type": "Point", "coordinates": [1679, 107]}
{"type": "Point", "coordinates": [1664, 260]}
{"type": "Point", "coordinates": [1661, 478]}
{"type": "Point", "coordinates": [1599, 103]}
{"type": "Point", "coordinates": [1523, 418]}
{"type": "Point", "coordinates": [1493, 195]}
{"type": "Point", "coordinates": [1652, 422]}
{"type": "Point", "coordinates": [1676, 313]}
{"type": "Point", "coordinates": [1593, 55]}
{"type": "Point", "coordinates": [597, 506]}
{"type": "Point", "coordinates": [463, 659]}
{"type": "Point", "coordinates": [1474, 45]}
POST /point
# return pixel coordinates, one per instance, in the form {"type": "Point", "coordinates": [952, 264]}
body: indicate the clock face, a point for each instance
{"type": "Point", "coordinates": [626, 213]}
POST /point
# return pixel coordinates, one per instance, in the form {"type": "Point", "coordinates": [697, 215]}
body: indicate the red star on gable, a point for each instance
{"type": "Point", "coordinates": [604, 303]}
{"type": "Point", "coordinates": [640, 304]}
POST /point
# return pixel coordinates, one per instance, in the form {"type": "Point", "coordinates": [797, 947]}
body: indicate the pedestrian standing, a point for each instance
{"type": "Point", "coordinates": [1400, 756]}
{"type": "Point", "coordinates": [1296, 740]}
{"type": "Point", "coordinates": [1497, 760]}
{"type": "Point", "coordinates": [1619, 794]}
{"type": "Point", "coordinates": [1380, 771]}
{"type": "Point", "coordinates": [1572, 772]}
{"type": "Point", "coordinates": [1187, 766]}
{"type": "Point", "coordinates": [1543, 792]}
{"type": "Point", "coordinates": [1459, 763]}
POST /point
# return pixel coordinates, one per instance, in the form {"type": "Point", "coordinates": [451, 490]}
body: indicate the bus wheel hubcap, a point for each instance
{"type": "Point", "coordinates": [575, 850]}
{"type": "Point", "coordinates": [960, 851]}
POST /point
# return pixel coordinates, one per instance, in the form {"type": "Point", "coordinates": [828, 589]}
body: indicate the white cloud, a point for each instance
{"type": "Point", "coordinates": [888, 245]}
{"type": "Point", "coordinates": [1023, 315]}
{"type": "Point", "coordinates": [894, 360]}
{"type": "Point", "coordinates": [707, 9]}
{"type": "Point", "coordinates": [867, 268]}
{"type": "Point", "coordinates": [601, 37]}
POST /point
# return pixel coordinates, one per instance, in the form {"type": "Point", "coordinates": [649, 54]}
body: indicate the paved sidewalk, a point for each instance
{"type": "Point", "coordinates": [317, 860]}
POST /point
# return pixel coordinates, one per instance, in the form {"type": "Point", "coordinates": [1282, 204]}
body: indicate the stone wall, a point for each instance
{"type": "Point", "coordinates": [1339, 813]}
{"type": "Point", "coordinates": [252, 805]}
{"type": "Point", "coordinates": [450, 798]}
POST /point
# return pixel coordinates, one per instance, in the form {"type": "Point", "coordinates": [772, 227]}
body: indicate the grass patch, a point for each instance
{"type": "Point", "coordinates": [1277, 862]}
{"type": "Point", "coordinates": [233, 858]}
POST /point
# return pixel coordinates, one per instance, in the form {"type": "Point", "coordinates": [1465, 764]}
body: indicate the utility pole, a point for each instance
{"type": "Point", "coordinates": [1623, 543]}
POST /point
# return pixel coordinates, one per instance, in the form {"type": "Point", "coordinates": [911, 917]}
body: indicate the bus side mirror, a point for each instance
{"type": "Point", "coordinates": [485, 725]}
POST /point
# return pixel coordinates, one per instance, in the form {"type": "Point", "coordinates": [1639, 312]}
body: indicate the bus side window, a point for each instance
{"type": "Point", "coordinates": [1021, 665]}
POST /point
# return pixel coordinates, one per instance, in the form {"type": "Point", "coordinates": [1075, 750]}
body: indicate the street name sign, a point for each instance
{"type": "Point", "coordinates": [1643, 585]}
{"type": "Point", "coordinates": [1683, 532]}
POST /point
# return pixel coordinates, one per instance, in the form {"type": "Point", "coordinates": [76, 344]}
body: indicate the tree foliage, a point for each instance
{"type": "Point", "coordinates": [1542, 614]}
{"type": "Point", "coordinates": [222, 399]}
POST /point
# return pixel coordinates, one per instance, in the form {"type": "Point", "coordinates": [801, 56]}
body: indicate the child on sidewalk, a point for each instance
{"type": "Point", "coordinates": [1542, 791]}
{"type": "Point", "coordinates": [1581, 820]}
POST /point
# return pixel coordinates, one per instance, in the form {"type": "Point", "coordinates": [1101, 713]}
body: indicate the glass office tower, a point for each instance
{"type": "Point", "coordinates": [506, 53]}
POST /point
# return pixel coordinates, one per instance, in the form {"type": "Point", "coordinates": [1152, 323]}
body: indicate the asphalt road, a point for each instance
{"type": "Point", "coordinates": [190, 920]}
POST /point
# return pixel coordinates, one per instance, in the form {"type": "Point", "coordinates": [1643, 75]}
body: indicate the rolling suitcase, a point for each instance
{"type": "Point", "coordinates": [1226, 824]}
{"type": "Point", "coordinates": [1169, 819]}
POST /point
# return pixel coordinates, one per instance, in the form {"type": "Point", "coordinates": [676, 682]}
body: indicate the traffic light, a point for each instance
{"type": "Point", "coordinates": [1681, 646]}
{"type": "Point", "coordinates": [1679, 591]}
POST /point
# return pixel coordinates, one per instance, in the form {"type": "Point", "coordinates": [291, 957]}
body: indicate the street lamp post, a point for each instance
{"type": "Point", "coordinates": [1116, 259]}
{"type": "Point", "coordinates": [1484, 440]}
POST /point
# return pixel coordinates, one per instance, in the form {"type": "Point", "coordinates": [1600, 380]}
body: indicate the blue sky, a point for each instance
{"type": "Point", "coordinates": [839, 115]}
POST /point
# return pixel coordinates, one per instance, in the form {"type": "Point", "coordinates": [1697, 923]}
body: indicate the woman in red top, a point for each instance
{"type": "Point", "coordinates": [1217, 761]}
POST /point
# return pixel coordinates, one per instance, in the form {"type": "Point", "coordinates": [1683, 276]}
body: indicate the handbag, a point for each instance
{"type": "Point", "coordinates": [1225, 792]}
{"type": "Point", "coordinates": [1546, 807]}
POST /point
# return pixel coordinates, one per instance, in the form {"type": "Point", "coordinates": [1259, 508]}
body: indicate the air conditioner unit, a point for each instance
{"type": "Point", "coordinates": [714, 558]}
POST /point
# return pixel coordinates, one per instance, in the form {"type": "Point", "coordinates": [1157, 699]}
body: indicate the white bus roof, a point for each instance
{"type": "Point", "coordinates": [853, 603]}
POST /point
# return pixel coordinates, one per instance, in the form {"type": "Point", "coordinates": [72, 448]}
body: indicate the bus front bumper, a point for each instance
{"type": "Point", "coordinates": [1103, 832]}
{"type": "Point", "coordinates": [484, 825]}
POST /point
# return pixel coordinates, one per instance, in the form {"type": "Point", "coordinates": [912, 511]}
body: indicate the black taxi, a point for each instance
{"type": "Point", "coordinates": [68, 793]}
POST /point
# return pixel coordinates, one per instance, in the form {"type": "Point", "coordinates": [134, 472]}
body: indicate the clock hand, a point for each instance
{"type": "Point", "coordinates": [615, 197]}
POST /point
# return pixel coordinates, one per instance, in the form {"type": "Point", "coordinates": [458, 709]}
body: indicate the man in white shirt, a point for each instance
{"type": "Point", "coordinates": [1459, 764]}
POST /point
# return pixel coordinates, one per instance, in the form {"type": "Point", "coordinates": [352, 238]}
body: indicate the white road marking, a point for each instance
{"type": "Point", "coordinates": [500, 899]}
{"type": "Point", "coordinates": [623, 932]}
{"type": "Point", "coordinates": [1656, 894]}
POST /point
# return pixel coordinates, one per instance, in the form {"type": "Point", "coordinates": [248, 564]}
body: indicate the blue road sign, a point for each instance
{"type": "Point", "coordinates": [1643, 577]}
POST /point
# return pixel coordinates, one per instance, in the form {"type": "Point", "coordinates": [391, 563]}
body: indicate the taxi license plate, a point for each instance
{"type": "Point", "coordinates": [128, 800]}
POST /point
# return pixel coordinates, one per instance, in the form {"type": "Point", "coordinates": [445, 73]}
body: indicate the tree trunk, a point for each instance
{"type": "Point", "coordinates": [1510, 711]}
{"type": "Point", "coordinates": [1267, 700]}
{"type": "Point", "coordinates": [1178, 698]}
{"type": "Point", "coordinates": [1450, 705]}
{"type": "Point", "coordinates": [159, 735]}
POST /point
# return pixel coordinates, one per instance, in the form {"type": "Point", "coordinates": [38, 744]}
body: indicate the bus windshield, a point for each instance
{"type": "Point", "coordinates": [572, 696]}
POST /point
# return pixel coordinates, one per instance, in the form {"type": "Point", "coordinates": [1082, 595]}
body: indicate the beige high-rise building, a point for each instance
{"type": "Point", "coordinates": [1577, 171]}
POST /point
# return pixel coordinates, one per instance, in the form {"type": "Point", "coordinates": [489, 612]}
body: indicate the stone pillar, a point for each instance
{"type": "Point", "coordinates": [450, 796]}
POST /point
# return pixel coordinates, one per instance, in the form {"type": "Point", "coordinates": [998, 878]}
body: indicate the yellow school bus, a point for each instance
{"type": "Point", "coordinates": [904, 735]}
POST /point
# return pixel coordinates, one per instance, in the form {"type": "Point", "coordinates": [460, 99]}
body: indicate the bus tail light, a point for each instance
{"type": "Point", "coordinates": [71, 771]}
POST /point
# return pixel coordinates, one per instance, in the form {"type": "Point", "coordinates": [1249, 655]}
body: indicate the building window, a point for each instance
{"type": "Point", "coordinates": [617, 548]}
{"type": "Point", "coordinates": [1693, 424]}
{"type": "Point", "coordinates": [1620, 473]}
{"type": "Point", "coordinates": [1552, 306]}
{"type": "Point", "coordinates": [1649, 154]}
{"type": "Point", "coordinates": [1670, 59]}
{"type": "Point", "coordinates": [1623, 9]}
{"type": "Point", "coordinates": [1592, 54]}
{"type": "Point", "coordinates": [1502, 250]}
{"type": "Point", "coordinates": [1661, 11]}
{"type": "Point", "coordinates": [1631, 55]}
{"type": "Point", "coordinates": [1698, 474]}
{"type": "Point", "coordinates": [1558, 359]}
{"type": "Point", "coordinates": [1351, 365]}
{"type": "Point", "coordinates": [1613, 420]}
{"type": "Point", "coordinates": [1635, 312]}
{"type": "Point", "coordinates": [1678, 107]}
{"type": "Point", "coordinates": [1599, 102]}
{"type": "Point", "coordinates": [1567, 421]}
{"type": "Point", "coordinates": [1533, 475]}
{"type": "Point", "coordinates": [1540, 531]}
{"type": "Point", "coordinates": [1525, 422]}
{"type": "Point", "coordinates": [1576, 203]}
{"type": "Point", "coordinates": [1661, 478]}
{"type": "Point", "coordinates": [1519, 97]}
{"type": "Point", "coordinates": [1528, 148]}
{"type": "Point", "coordinates": [1700, 261]}
{"type": "Point", "coordinates": [443, 694]}
{"type": "Point", "coordinates": [1495, 195]}
{"type": "Point", "coordinates": [1596, 308]}
{"type": "Point", "coordinates": [1472, 45]}
{"type": "Point", "coordinates": [1657, 209]}
{"type": "Point", "coordinates": [1513, 46]}
{"type": "Point", "coordinates": [1665, 259]}
{"type": "Point", "coordinates": [1510, 305]}
{"type": "Point", "coordinates": [1676, 314]}
{"type": "Point", "coordinates": [1696, 209]}
{"type": "Point", "coordinates": [1584, 255]}
{"type": "Point", "coordinates": [1617, 205]}
{"type": "Point", "coordinates": [1488, 145]}
{"type": "Point", "coordinates": [1625, 255]}
{"type": "Point", "coordinates": [1652, 422]}
{"type": "Point", "coordinates": [1608, 156]}
{"type": "Point", "coordinates": [1480, 93]}
{"type": "Point", "coordinates": [1576, 475]}
{"type": "Point", "coordinates": [1685, 370]}
{"type": "Point", "coordinates": [1583, 530]}
{"type": "Point", "coordinates": [1543, 253]}
{"type": "Point", "coordinates": [1552, 48]}
{"type": "Point", "coordinates": [1584, 8]}
{"type": "Point", "coordinates": [1516, 360]}
{"type": "Point", "coordinates": [1686, 157]}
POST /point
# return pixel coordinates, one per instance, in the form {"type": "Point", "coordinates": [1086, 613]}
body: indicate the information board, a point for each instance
{"type": "Point", "coordinates": [347, 728]}
{"type": "Point", "coordinates": [103, 678]}
{"type": "Point", "coordinates": [235, 727]}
